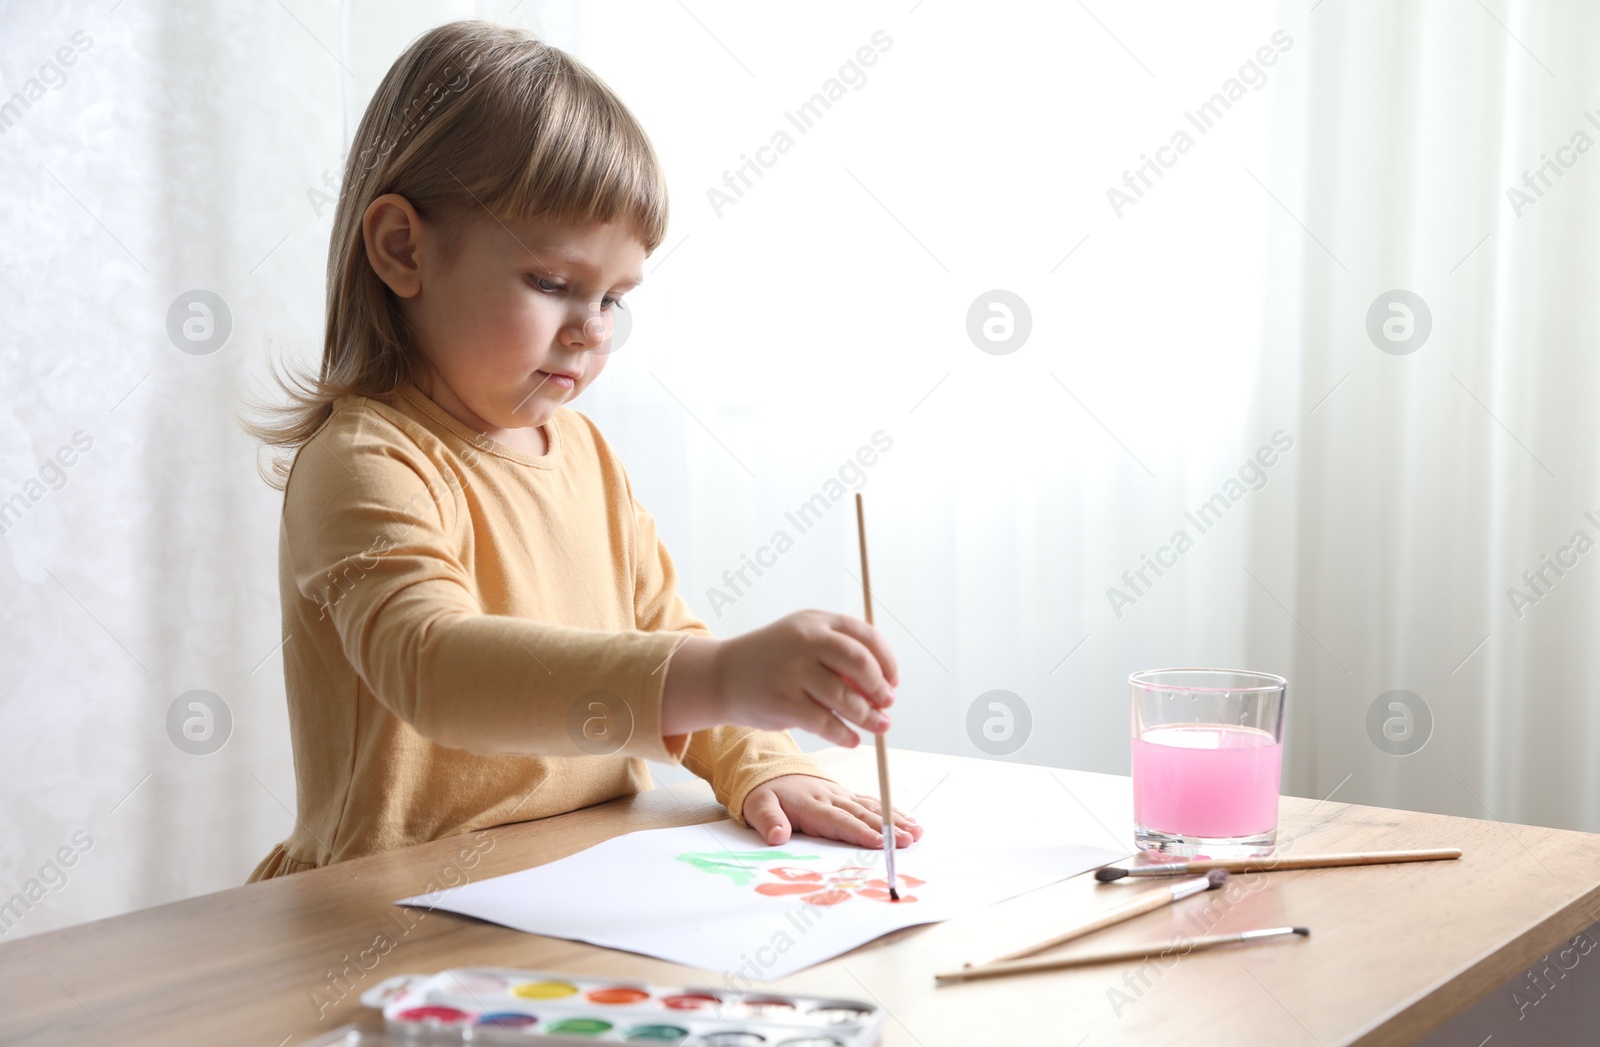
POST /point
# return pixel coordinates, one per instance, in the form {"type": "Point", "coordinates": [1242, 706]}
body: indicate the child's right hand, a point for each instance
{"type": "Point", "coordinates": [812, 669]}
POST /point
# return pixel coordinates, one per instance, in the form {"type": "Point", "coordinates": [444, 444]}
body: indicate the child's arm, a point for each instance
{"type": "Point", "coordinates": [371, 533]}
{"type": "Point", "coordinates": [766, 678]}
{"type": "Point", "coordinates": [811, 669]}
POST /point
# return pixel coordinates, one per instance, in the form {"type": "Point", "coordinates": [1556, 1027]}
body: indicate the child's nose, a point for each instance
{"type": "Point", "coordinates": [595, 328]}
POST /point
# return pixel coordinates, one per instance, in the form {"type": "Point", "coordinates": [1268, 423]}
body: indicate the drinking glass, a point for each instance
{"type": "Point", "coordinates": [1207, 761]}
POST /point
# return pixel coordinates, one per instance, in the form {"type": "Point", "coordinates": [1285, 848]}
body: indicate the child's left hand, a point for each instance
{"type": "Point", "coordinates": [818, 807]}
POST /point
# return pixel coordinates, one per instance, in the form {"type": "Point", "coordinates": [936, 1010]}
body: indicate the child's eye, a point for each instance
{"type": "Point", "coordinates": [605, 303]}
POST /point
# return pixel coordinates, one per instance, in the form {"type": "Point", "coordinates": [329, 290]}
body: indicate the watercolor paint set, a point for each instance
{"type": "Point", "coordinates": [492, 1005]}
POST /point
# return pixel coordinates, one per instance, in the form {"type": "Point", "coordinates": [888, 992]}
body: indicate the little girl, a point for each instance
{"type": "Point", "coordinates": [483, 625]}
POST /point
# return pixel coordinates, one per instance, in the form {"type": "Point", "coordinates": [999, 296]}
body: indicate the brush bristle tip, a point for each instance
{"type": "Point", "coordinates": [1216, 878]}
{"type": "Point", "coordinates": [1304, 932]}
{"type": "Point", "coordinates": [1107, 875]}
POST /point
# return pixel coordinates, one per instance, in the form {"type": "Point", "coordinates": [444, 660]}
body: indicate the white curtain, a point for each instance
{"type": "Point", "coordinates": [812, 300]}
{"type": "Point", "coordinates": [1407, 152]}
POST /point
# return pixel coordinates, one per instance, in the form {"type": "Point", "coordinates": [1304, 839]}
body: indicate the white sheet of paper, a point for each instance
{"type": "Point", "coordinates": [706, 895]}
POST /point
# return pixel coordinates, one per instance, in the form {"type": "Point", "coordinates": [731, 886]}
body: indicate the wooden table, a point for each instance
{"type": "Point", "coordinates": [1395, 950]}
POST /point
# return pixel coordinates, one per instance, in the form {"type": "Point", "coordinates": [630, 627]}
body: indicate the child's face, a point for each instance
{"type": "Point", "coordinates": [507, 326]}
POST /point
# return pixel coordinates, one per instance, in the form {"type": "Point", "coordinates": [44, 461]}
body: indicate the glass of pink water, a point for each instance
{"type": "Point", "coordinates": [1207, 761]}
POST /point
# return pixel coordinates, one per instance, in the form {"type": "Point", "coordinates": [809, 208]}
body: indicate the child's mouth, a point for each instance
{"type": "Point", "coordinates": [560, 381]}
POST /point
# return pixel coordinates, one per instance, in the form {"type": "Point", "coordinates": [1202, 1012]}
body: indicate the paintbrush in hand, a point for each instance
{"type": "Point", "coordinates": [882, 745]}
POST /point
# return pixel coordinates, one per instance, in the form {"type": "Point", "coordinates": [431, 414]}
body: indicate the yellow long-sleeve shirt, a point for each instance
{"type": "Point", "coordinates": [476, 636]}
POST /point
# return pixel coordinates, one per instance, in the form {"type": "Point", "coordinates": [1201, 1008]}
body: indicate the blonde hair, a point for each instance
{"type": "Point", "coordinates": [472, 116]}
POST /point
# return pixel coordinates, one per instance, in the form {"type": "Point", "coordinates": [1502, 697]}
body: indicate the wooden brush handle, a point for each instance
{"type": "Point", "coordinates": [879, 741]}
{"type": "Point", "coordinates": [883, 785]}
{"type": "Point", "coordinates": [1147, 902]}
{"type": "Point", "coordinates": [1056, 963]}
{"type": "Point", "coordinates": [1313, 861]}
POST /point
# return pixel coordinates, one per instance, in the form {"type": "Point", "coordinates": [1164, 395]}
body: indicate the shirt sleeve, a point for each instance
{"type": "Point", "coordinates": [368, 520]}
{"type": "Point", "coordinates": [734, 760]}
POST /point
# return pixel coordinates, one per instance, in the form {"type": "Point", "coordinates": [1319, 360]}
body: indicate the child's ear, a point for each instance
{"type": "Point", "coordinates": [392, 230]}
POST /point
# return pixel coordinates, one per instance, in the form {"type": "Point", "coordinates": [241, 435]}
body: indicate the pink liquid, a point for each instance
{"type": "Point", "coordinates": [1206, 779]}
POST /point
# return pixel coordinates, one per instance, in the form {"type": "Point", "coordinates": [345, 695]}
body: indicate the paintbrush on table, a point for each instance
{"type": "Point", "coordinates": [882, 745]}
{"type": "Point", "coordinates": [1270, 863]}
{"type": "Point", "coordinates": [1148, 901]}
{"type": "Point", "coordinates": [1136, 953]}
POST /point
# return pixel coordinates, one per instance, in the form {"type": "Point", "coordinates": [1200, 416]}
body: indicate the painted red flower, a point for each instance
{"type": "Point", "coordinates": [832, 888]}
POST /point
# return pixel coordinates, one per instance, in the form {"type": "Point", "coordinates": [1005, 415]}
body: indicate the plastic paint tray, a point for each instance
{"type": "Point", "coordinates": [501, 1006]}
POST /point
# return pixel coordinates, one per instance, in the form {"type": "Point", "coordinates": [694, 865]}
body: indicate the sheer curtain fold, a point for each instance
{"type": "Point", "coordinates": [1433, 479]}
